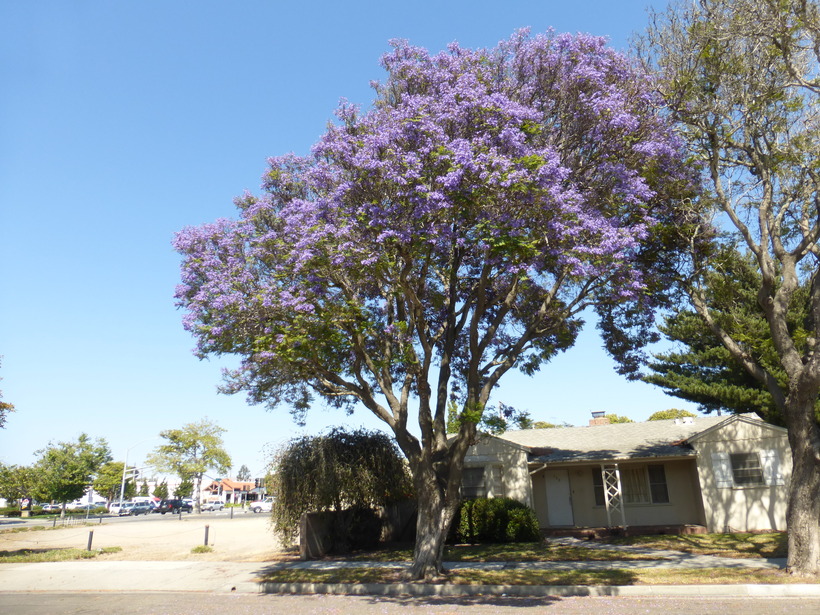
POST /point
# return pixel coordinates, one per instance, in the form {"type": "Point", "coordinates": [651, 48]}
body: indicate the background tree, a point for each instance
{"type": "Point", "coordinates": [16, 482]}
{"type": "Point", "coordinates": [701, 369]}
{"type": "Point", "coordinates": [108, 482]}
{"type": "Point", "coordinates": [144, 488]}
{"type": "Point", "coordinates": [244, 474]}
{"type": "Point", "coordinates": [741, 78]}
{"type": "Point", "coordinates": [161, 490]}
{"type": "Point", "coordinates": [185, 489]}
{"type": "Point", "coordinates": [671, 413]}
{"type": "Point", "coordinates": [455, 231]}
{"type": "Point", "coordinates": [5, 408]}
{"type": "Point", "coordinates": [493, 420]}
{"type": "Point", "coordinates": [336, 471]}
{"type": "Point", "coordinates": [616, 418]}
{"type": "Point", "coordinates": [190, 452]}
{"type": "Point", "coordinates": [65, 470]}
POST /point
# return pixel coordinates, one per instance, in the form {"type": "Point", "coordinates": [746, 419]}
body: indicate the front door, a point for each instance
{"type": "Point", "coordinates": [559, 500]}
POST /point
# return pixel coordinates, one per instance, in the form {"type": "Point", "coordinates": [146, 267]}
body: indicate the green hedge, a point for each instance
{"type": "Point", "coordinates": [494, 520]}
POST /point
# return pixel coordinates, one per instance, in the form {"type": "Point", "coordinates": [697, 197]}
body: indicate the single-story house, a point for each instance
{"type": "Point", "coordinates": [723, 473]}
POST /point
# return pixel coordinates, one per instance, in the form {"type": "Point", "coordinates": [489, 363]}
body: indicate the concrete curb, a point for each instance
{"type": "Point", "coordinates": [444, 590]}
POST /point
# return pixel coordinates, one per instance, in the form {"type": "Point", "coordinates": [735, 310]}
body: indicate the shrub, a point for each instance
{"type": "Point", "coordinates": [494, 520]}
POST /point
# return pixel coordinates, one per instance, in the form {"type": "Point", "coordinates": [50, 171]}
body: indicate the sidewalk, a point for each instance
{"type": "Point", "coordinates": [240, 577]}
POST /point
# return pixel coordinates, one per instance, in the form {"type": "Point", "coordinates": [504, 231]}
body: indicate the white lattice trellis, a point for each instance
{"type": "Point", "coordinates": [613, 493]}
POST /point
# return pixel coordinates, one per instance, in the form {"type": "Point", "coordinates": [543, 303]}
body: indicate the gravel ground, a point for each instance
{"type": "Point", "coordinates": [245, 538]}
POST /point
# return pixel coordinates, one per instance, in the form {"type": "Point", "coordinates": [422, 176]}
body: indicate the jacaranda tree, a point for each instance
{"type": "Point", "coordinates": [455, 230]}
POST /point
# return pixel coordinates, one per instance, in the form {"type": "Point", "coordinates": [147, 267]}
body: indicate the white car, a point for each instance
{"type": "Point", "coordinates": [212, 505]}
{"type": "Point", "coordinates": [265, 505]}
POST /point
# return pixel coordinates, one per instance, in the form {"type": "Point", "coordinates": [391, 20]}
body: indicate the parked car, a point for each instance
{"type": "Point", "coordinates": [115, 507]}
{"type": "Point", "coordinates": [141, 508]}
{"type": "Point", "coordinates": [51, 507]}
{"type": "Point", "coordinates": [265, 505]}
{"type": "Point", "coordinates": [173, 506]}
{"type": "Point", "coordinates": [126, 509]}
{"type": "Point", "coordinates": [213, 505]}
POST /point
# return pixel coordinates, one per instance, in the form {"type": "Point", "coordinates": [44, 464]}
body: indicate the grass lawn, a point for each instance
{"type": "Point", "coordinates": [516, 552]}
{"type": "Point", "coordinates": [704, 576]}
{"type": "Point", "coordinates": [728, 545]}
{"type": "Point", "coordinates": [28, 556]}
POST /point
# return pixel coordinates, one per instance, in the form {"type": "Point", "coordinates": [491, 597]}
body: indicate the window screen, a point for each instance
{"type": "Point", "coordinates": [657, 484]}
{"type": "Point", "coordinates": [746, 469]}
{"type": "Point", "coordinates": [472, 483]}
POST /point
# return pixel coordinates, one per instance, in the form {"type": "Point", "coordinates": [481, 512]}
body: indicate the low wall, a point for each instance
{"type": "Point", "coordinates": [320, 534]}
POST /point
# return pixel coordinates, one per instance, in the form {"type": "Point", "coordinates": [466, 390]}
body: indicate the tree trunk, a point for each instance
{"type": "Point", "coordinates": [435, 514]}
{"type": "Point", "coordinates": [196, 493]}
{"type": "Point", "coordinates": [803, 513]}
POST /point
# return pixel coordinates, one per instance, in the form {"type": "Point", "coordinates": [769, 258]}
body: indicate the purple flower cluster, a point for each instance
{"type": "Point", "coordinates": [491, 194]}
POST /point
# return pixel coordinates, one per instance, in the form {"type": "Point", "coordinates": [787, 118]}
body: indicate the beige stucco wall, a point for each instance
{"type": "Point", "coordinates": [743, 508]}
{"type": "Point", "coordinates": [506, 471]}
{"type": "Point", "coordinates": [684, 505]}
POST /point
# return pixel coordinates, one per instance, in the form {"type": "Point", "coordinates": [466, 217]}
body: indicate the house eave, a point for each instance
{"type": "Point", "coordinates": [536, 464]}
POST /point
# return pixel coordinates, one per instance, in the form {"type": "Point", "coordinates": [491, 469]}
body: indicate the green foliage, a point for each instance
{"type": "Point", "coordinates": [547, 425]}
{"type": "Point", "coordinates": [339, 470]}
{"type": "Point", "coordinates": [109, 482]}
{"type": "Point", "coordinates": [702, 370]}
{"type": "Point", "coordinates": [65, 470]}
{"type": "Point", "coordinates": [615, 418]}
{"type": "Point", "coordinates": [489, 419]}
{"type": "Point", "coordinates": [16, 482]}
{"type": "Point", "coordinates": [192, 450]}
{"type": "Point", "coordinates": [494, 520]}
{"type": "Point", "coordinates": [184, 489]}
{"type": "Point", "coordinates": [671, 413]}
{"type": "Point", "coordinates": [144, 488]}
{"type": "Point", "coordinates": [161, 490]}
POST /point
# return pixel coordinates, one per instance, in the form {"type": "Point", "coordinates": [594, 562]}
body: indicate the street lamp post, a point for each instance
{"type": "Point", "coordinates": [125, 467]}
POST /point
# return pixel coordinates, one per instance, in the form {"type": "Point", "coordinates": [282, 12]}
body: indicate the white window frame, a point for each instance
{"type": "Point", "coordinates": [770, 466]}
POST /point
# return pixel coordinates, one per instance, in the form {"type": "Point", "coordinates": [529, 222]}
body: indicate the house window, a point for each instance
{"type": "Point", "coordinates": [746, 469]}
{"type": "Point", "coordinates": [657, 484]}
{"type": "Point", "coordinates": [472, 483]}
{"type": "Point", "coordinates": [641, 485]}
{"type": "Point", "coordinates": [598, 486]}
{"type": "Point", "coordinates": [634, 485]}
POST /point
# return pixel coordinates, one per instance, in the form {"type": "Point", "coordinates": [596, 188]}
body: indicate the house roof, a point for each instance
{"type": "Point", "coordinates": [616, 441]}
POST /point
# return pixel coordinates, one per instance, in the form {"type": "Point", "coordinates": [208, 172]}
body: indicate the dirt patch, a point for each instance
{"type": "Point", "coordinates": [244, 538]}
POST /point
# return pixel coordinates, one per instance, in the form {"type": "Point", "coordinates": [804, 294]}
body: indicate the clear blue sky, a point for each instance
{"type": "Point", "coordinates": [122, 122]}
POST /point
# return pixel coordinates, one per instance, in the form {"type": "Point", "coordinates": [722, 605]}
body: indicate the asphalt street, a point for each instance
{"type": "Point", "coordinates": [254, 604]}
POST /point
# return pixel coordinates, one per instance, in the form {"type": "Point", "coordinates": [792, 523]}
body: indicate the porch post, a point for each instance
{"type": "Point", "coordinates": [613, 493]}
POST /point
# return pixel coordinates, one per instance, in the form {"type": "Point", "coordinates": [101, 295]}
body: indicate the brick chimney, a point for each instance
{"type": "Point", "coordinates": [598, 418]}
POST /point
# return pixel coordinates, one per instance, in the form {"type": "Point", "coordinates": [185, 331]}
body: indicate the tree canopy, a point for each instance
{"type": "Point", "coordinates": [701, 369]}
{"type": "Point", "coordinates": [65, 470]}
{"type": "Point", "coordinates": [108, 482]}
{"type": "Point", "coordinates": [671, 413]}
{"type": "Point", "coordinates": [243, 474]}
{"type": "Point", "coordinates": [191, 451]}
{"type": "Point", "coordinates": [455, 230]}
{"type": "Point", "coordinates": [741, 81]}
